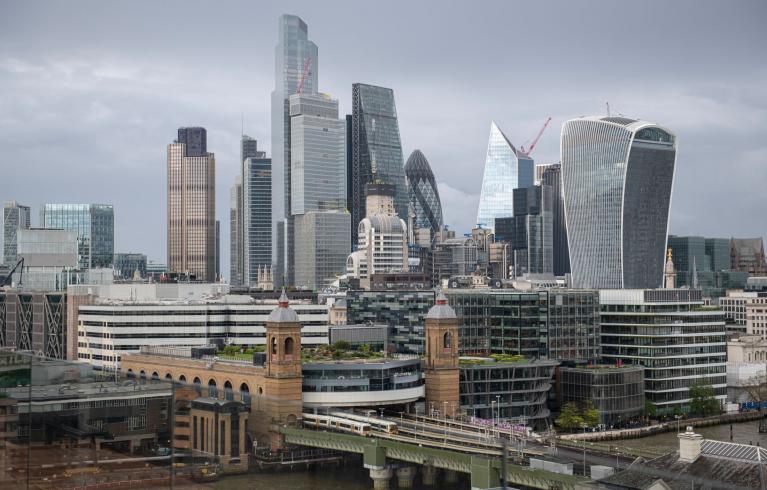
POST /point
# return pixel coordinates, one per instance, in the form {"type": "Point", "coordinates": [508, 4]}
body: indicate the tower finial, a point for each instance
{"type": "Point", "coordinates": [284, 301]}
{"type": "Point", "coordinates": [668, 255]}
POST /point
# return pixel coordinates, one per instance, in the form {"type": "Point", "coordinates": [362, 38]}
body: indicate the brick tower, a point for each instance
{"type": "Point", "coordinates": [282, 378]}
{"type": "Point", "coordinates": [442, 375]}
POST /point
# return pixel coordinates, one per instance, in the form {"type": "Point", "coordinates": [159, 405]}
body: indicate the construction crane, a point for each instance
{"type": "Point", "coordinates": [6, 281]}
{"type": "Point", "coordinates": [307, 65]}
{"type": "Point", "coordinates": [535, 141]}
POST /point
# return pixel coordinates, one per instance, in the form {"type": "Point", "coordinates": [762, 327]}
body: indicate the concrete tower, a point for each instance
{"type": "Point", "coordinates": [441, 333]}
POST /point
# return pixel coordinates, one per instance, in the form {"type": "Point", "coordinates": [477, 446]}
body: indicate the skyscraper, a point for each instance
{"type": "Point", "coordinates": [15, 217]}
{"type": "Point", "coordinates": [533, 232]}
{"type": "Point", "coordinates": [95, 227]}
{"type": "Point", "coordinates": [423, 194]}
{"type": "Point", "coordinates": [296, 67]}
{"type": "Point", "coordinates": [192, 206]}
{"type": "Point", "coordinates": [552, 177]}
{"type": "Point", "coordinates": [617, 175]}
{"type": "Point", "coordinates": [376, 149]}
{"type": "Point", "coordinates": [248, 149]}
{"type": "Point", "coordinates": [506, 169]}
{"type": "Point", "coordinates": [257, 215]}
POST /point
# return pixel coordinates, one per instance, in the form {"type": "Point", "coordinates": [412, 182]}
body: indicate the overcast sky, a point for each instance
{"type": "Point", "coordinates": [91, 92]}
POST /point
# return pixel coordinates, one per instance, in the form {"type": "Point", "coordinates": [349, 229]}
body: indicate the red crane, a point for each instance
{"type": "Point", "coordinates": [535, 141]}
{"type": "Point", "coordinates": [307, 65]}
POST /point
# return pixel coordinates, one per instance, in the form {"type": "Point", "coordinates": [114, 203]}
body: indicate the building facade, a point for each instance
{"type": "Point", "coordinates": [95, 227]}
{"type": "Point", "coordinates": [617, 213]}
{"type": "Point", "coordinates": [506, 169]}
{"type": "Point", "coordinates": [668, 331]}
{"type": "Point", "coordinates": [192, 206]}
{"type": "Point", "coordinates": [376, 150]}
{"type": "Point", "coordinates": [257, 217]}
{"type": "Point", "coordinates": [532, 238]}
{"type": "Point", "coordinates": [423, 194]}
{"type": "Point", "coordinates": [747, 255]}
{"type": "Point", "coordinates": [617, 392]}
{"type": "Point", "coordinates": [126, 265]}
{"type": "Point", "coordinates": [15, 217]}
{"type": "Point", "coordinates": [322, 248]}
{"type": "Point", "coordinates": [552, 177]}
{"type": "Point", "coordinates": [756, 317]}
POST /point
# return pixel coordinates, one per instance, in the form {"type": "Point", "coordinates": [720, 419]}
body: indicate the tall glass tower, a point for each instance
{"type": "Point", "coordinates": [423, 193]}
{"type": "Point", "coordinates": [295, 67]}
{"type": "Point", "coordinates": [95, 227]}
{"type": "Point", "coordinates": [15, 217]}
{"type": "Point", "coordinates": [617, 176]}
{"type": "Point", "coordinates": [506, 169]}
{"type": "Point", "coordinates": [376, 149]}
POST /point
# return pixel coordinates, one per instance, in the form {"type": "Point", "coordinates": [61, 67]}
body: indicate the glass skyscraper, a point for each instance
{"type": "Point", "coordinates": [506, 169]}
{"type": "Point", "coordinates": [257, 217]}
{"type": "Point", "coordinates": [95, 227]}
{"type": "Point", "coordinates": [617, 175]}
{"type": "Point", "coordinates": [16, 217]}
{"type": "Point", "coordinates": [376, 149]}
{"type": "Point", "coordinates": [552, 176]}
{"type": "Point", "coordinates": [532, 238]}
{"type": "Point", "coordinates": [423, 194]}
{"type": "Point", "coordinates": [295, 66]}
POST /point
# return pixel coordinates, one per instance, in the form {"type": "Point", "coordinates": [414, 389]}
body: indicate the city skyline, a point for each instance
{"type": "Point", "coordinates": [119, 91]}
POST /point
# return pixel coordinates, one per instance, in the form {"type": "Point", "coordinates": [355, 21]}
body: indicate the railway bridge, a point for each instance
{"type": "Point", "coordinates": [386, 455]}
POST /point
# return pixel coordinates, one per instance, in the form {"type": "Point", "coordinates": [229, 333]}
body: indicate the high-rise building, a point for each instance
{"type": "Point", "coordinates": [257, 217]}
{"type": "Point", "coordinates": [322, 247]}
{"type": "Point", "coordinates": [540, 169]}
{"type": "Point", "coordinates": [218, 250]}
{"type": "Point", "coordinates": [617, 175]}
{"type": "Point", "coordinates": [506, 169]}
{"type": "Point", "coordinates": [423, 194]}
{"type": "Point", "coordinates": [532, 242]}
{"type": "Point", "coordinates": [376, 149]}
{"type": "Point", "coordinates": [192, 206]}
{"type": "Point", "coordinates": [95, 227]}
{"type": "Point", "coordinates": [296, 68]}
{"type": "Point", "coordinates": [15, 217]}
{"type": "Point", "coordinates": [748, 255]}
{"type": "Point", "coordinates": [552, 176]}
{"type": "Point", "coordinates": [235, 232]}
{"type": "Point", "coordinates": [279, 254]}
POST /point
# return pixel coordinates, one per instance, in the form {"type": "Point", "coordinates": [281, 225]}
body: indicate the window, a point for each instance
{"type": "Point", "coordinates": [447, 340]}
{"type": "Point", "coordinates": [289, 346]}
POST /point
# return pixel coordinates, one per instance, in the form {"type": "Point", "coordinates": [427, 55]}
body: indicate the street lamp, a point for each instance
{"type": "Point", "coordinates": [498, 406]}
{"type": "Point", "coordinates": [584, 447]}
{"type": "Point", "coordinates": [677, 417]}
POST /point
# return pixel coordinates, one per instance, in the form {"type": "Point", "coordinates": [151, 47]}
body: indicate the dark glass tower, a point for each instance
{"type": "Point", "coordinates": [423, 193]}
{"type": "Point", "coordinates": [376, 149]}
{"type": "Point", "coordinates": [532, 234]}
{"type": "Point", "coordinates": [552, 177]}
{"type": "Point", "coordinates": [196, 141]}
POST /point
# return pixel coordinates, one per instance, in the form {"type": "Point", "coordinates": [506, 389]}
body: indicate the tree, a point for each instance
{"type": "Point", "coordinates": [756, 387]}
{"type": "Point", "coordinates": [649, 408]}
{"type": "Point", "coordinates": [342, 346]}
{"type": "Point", "coordinates": [703, 402]}
{"type": "Point", "coordinates": [590, 414]}
{"type": "Point", "coordinates": [570, 417]}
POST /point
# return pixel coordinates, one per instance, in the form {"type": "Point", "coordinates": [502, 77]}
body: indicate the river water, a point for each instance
{"type": "Point", "coordinates": [354, 477]}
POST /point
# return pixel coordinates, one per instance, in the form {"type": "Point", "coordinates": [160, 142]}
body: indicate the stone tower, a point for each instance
{"type": "Point", "coordinates": [282, 377]}
{"type": "Point", "coordinates": [669, 273]}
{"type": "Point", "coordinates": [442, 372]}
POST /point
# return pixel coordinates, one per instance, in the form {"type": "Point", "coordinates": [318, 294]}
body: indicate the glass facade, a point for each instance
{"type": "Point", "coordinates": [617, 175]}
{"type": "Point", "coordinates": [126, 264]}
{"type": "Point", "coordinates": [15, 217]}
{"type": "Point", "coordinates": [617, 392]}
{"type": "Point", "coordinates": [376, 149]}
{"type": "Point", "coordinates": [573, 331]}
{"type": "Point", "coordinates": [552, 176]}
{"type": "Point", "coordinates": [355, 376]}
{"type": "Point", "coordinates": [505, 170]}
{"type": "Point", "coordinates": [95, 227]}
{"type": "Point", "coordinates": [532, 241]}
{"type": "Point", "coordinates": [423, 193]}
{"type": "Point", "coordinates": [257, 216]}
{"type": "Point", "coordinates": [322, 247]}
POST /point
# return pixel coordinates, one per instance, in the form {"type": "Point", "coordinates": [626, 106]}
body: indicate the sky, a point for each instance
{"type": "Point", "coordinates": [92, 92]}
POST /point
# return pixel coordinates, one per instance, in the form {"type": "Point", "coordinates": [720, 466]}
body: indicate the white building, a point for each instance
{"type": "Point", "coordinates": [756, 317]}
{"type": "Point", "coordinates": [734, 305]}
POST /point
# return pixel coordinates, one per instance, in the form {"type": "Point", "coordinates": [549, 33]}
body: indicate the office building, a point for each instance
{"type": "Point", "coordinates": [747, 255]}
{"type": "Point", "coordinates": [34, 321]}
{"type": "Point", "coordinates": [15, 217]}
{"type": "Point", "coordinates": [504, 229]}
{"type": "Point", "coordinates": [552, 177]}
{"type": "Point", "coordinates": [376, 150]}
{"type": "Point", "coordinates": [50, 259]}
{"type": "Point", "coordinates": [279, 253]}
{"type": "Point", "coordinates": [756, 316]}
{"type": "Point", "coordinates": [423, 195]}
{"type": "Point", "coordinates": [617, 175]}
{"type": "Point", "coordinates": [237, 206]}
{"type": "Point", "coordinates": [296, 67]}
{"type": "Point", "coordinates": [257, 217]}
{"type": "Point", "coordinates": [532, 241]}
{"type": "Point", "coordinates": [704, 263]}
{"type": "Point", "coordinates": [454, 257]}
{"type": "Point", "coordinates": [95, 227]}
{"type": "Point", "coordinates": [235, 232]}
{"type": "Point", "coordinates": [506, 169]}
{"type": "Point", "coordinates": [322, 248]}
{"type": "Point", "coordinates": [192, 206]}
{"type": "Point", "coordinates": [617, 392]}
{"type": "Point", "coordinates": [128, 265]}
{"type": "Point", "coordinates": [573, 324]}
{"type": "Point", "coordinates": [668, 331]}
{"type": "Point", "coordinates": [381, 236]}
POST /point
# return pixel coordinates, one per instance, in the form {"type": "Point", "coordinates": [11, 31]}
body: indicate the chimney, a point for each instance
{"type": "Point", "coordinates": [689, 445]}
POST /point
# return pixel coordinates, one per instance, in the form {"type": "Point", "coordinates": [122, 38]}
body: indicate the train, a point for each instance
{"type": "Point", "coordinates": [377, 423]}
{"type": "Point", "coordinates": [337, 423]}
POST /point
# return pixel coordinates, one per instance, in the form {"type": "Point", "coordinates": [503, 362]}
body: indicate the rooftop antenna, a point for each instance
{"type": "Point", "coordinates": [608, 108]}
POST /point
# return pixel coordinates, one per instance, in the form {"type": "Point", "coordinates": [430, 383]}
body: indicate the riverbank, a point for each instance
{"type": "Point", "coordinates": [672, 426]}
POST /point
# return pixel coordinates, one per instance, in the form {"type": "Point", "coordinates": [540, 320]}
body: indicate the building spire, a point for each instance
{"type": "Point", "coordinates": [669, 272]}
{"type": "Point", "coordinates": [695, 284]}
{"type": "Point", "coordinates": [284, 302]}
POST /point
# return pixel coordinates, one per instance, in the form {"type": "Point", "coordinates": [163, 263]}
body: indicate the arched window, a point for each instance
{"type": "Point", "coordinates": [228, 393]}
{"type": "Point", "coordinates": [131, 374]}
{"type": "Point", "coordinates": [289, 346]}
{"type": "Point", "coordinates": [142, 376]}
{"type": "Point", "coordinates": [447, 341]}
{"type": "Point", "coordinates": [182, 379]}
{"type": "Point", "coordinates": [155, 377]}
{"type": "Point", "coordinates": [245, 392]}
{"type": "Point", "coordinates": [168, 377]}
{"type": "Point", "coordinates": [260, 391]}
{"type": "Point", "coordinates": [212, 389]}
{"type": "Point", "coordinates": [274, 346]}
{"type": "Point", "coordinates": [197, 385]}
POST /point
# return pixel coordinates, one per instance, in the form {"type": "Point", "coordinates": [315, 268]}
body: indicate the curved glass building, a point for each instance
{"type": "Point", "coordinates": [423, 193]}
{"type": "Point", "coordinates": [506, 169]}
{"type": "Point", "coordinates": [617, 175]}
